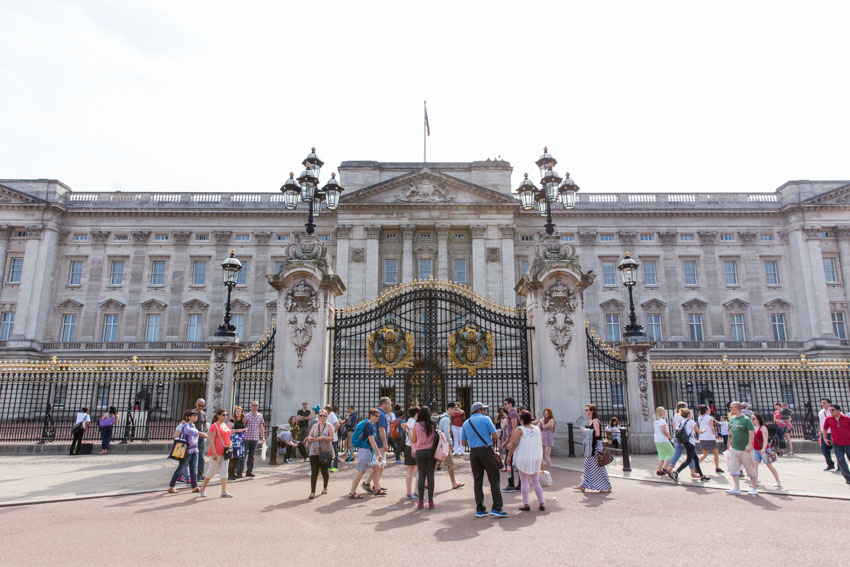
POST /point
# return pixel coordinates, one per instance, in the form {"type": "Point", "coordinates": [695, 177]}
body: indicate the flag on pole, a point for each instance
{"type": "Point", "coordinates": [427, 126]}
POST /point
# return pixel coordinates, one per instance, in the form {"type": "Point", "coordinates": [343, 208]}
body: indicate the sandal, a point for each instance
{"type": "Point", "coordinates": [312, 495]}
{"type": "Point", "coordinates": [381, 492]}
{"type": "Point", "coordinates": [366, 487]}
{"type": "Point", "coordinates": [353, 496]}
{"type": "Point", "coordinates": [325, 491]}
{"type": "Point", "coordinates": [580, 488]}
{"type": "Point", "coordinates": [459, 485]}
{"type": "Point", "coordinates": [172, 490]}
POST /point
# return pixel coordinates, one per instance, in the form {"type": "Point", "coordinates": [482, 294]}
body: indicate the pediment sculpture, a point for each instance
{"type": "Point", "coordinates": [425, 192]}
{"type": "Point", "coordinates": [559, 304]}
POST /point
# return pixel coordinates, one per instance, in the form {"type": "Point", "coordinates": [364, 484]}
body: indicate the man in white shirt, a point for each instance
{"type": "Point", "coordinates": [333, 421]}
{"type": "Point", "coordinates": [826, 450]}
{"type": "Point", "coordinates": [81, 423]}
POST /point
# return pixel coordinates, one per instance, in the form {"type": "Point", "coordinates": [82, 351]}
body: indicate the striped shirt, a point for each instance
{"type": "Point", "coordinates": [253, 422]}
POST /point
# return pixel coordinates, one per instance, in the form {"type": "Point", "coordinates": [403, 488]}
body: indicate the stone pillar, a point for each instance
{"type": "Point", "coordinates": [46, 276]}
{"type": "Point", "coordinates": [805, 246]}
{"type": "Point", "coordinates": [639, 395]}
{"type": "Point", "coordinates": [373, 261]}
{"type": "Point", "coordinates": [553, 288]}
{"type": "Point", "coordinates": [479, 259]}
{"type": "Point", "coordinates": [508, 265]}
{"type": "Point", "coordinates": [5, 233]}
{"type": "Point", "coordinates": [407, 232]}
{"type": "Point", "coordinates": [223, 351]}
{"type": "Point", "coordinates": [307, 290]}
{"type": "Point", "coordinates": [343, 253]}
{"type": "Point", "coordinates": [843, 233]}
{"type": "Point", "coordinates": [443, 252]}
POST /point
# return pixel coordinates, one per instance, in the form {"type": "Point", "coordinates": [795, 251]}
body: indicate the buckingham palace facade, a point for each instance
{"type": "Point", "coordinates": [109, 274]}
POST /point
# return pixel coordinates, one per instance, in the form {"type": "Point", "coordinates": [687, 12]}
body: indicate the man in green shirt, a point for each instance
{"type": "Point", "coordinates": [741, 435]}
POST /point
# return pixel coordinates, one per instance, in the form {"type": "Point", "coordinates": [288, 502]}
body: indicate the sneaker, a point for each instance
{"type": "Point", "coordinates": [542, 508]}
{"type": "Point", "coordinates": [420, 505]}
{"type": "Point", "coordinates": [829, 469]}
{"type": "Point", "coordinates": [202, 494]}
{"type": "Point", "coordinates": [334, 469]}
{"type": "Point", "coordinates": [227, 495]}
{"type": "Point", "coordinates": [660, 473]}
{"type": "Point", "coordinates": [510, 488]}
{"type": "Point", "coordinates": [753, 492]}
{"type": "Point", "coordinates": [431, 505]}
{"type": "Point", "coordinates": [704, 478]}
{"type": "Point", "coordinates": [499, 513]}
{"type": "Point", "coordinates": [481, 514]}
{"type": "Point", "coordinates": [398, 461]}
{"type": "Point", "coordinates": [718, 471]}
{"type": "Point", "coordinates": [777, 485]}
{"type": "Point", "coordinates": [734, 491]}
{"type": "Point", "coordinates": [414, 497]}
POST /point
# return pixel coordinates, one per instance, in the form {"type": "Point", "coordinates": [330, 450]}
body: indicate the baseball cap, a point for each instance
{"type": "Point", "coordinates": [478, 406]}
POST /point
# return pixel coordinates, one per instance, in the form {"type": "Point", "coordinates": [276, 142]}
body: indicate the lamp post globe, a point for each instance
{"type": "Point", "coordinates": [552, 189]}
{"type": "Point", "coordinates": [230, 268]}
{"type": "Point", "coordinates": [306, 189]}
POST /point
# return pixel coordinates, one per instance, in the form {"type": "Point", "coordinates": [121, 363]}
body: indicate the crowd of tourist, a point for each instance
{"type": "Point", "coordinates": [517, 443]}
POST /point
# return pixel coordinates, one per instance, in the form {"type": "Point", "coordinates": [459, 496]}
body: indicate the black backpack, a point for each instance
{"type": "Point", "coordinates": [682, 434]}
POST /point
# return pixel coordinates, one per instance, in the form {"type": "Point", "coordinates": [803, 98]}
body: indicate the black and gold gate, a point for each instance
{"type": "Point", "coordinates": [430, 343]}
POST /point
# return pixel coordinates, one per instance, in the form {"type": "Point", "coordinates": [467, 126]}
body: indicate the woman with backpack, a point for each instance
{"type": "Point", "coordinates": [685, 436]}
{"type": "Point", "coordinates": [526, 447]}
{"type": "Point", "coordinates": [423, 439]}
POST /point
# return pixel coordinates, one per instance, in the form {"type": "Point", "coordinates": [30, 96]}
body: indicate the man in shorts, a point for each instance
{"type": "Point", "coordinates": [446, 426]}
{"type": "Point", "coordinates": [741, 435]}
{"type": "Point", "coordinates": [382, 433]}
{"type": "Point", "coordinates": [369, 456]}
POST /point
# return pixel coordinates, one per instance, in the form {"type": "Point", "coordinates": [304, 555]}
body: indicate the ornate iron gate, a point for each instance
{"type": "Point", "coordinates": [430, 343]}
{"type": "Point", "coordinates": [607, 377]}
{"type": "Point", "coordinates": [253, 373]}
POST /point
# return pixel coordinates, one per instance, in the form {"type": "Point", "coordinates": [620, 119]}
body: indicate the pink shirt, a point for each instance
{"type": "Point", "coordinates": [222, 439]}
{"type": "Point", "coordinates": [423, 441]}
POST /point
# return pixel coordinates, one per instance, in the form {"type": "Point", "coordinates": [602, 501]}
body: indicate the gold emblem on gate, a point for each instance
{"type": "Point", "coordinates": [471, 348]}
{"type": "Point", "coordinates": [390, 348]}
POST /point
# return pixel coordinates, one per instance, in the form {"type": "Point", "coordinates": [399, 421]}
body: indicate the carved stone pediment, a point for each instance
{"type": "Point", "coordinates": [736, 305]}
{"type": "Point", "coordinates": [777, 304]}
{"type": "Point", "coordinates": [69, 305]}
{"type": "Point", "coordinates": [14, 197]}
{"type": "Point", "coordinates": [239, 305]}
{"type": "Point", "coordinates": [153, 305]}
{"type": "Point", "coordinates": [695, 304]}
{"type": "Point", "coordinates": [427, 187]}
{"type": "Point", "coordinates": [195, 304]}
{"type": "Point", "coordinates": [111, 305]}
{"type": "Point", "coordinates": [653, 305]}
{"type": "Point", "coordinates": [425, 191]}
{"type": "Point", "coordinates": [612, 305]}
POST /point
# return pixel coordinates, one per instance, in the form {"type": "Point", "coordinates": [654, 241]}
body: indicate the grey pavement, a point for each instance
{"type": "Point", "coordinates": [49, 478]}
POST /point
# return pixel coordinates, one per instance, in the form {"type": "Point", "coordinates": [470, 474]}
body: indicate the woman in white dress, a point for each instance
{"type": "Point", "coordinates": [526, 448]}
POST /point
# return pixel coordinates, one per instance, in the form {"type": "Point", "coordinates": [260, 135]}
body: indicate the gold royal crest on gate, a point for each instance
{"type": "Point", "coordinates": [390, 348]}
{"type": "Point", "coordinates": [471, 348]}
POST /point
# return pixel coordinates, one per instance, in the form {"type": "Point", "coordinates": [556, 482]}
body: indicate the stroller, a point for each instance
{"type": "Point", "coordinates": [775, 438]}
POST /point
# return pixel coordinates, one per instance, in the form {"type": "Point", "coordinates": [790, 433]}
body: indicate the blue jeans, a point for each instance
{"type": "Point", "coordinates": [826, 450]}
{"type": "Point", "coordinates": [336, 454]}
{"type": "Point", "coordinates": [202, 449]}
{"type": "Point", "coordinates": [250, 449]}
{"type": "Point", "coordinates": [190, 461]}
{"type": "Point", "coordinates": [105, 438]}
{"type": "Point", "coordinates": [842, 454]}
{"type": "Point", "coordinates": [677, 452]}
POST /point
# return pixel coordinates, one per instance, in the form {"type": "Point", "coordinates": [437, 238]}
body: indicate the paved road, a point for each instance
{"type": "Point", "coordinates": [271, 519]}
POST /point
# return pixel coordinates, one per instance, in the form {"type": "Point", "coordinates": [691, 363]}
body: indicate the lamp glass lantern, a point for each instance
{"type": "Point", "coordinates": [333, 191]}
{"type": "Point", "coordinates": [231, 268]}
{"type": "Point", "coordinates": [526, 191]}
{"type": "Point", "coordinates": [628, 270]}
{"type": "Point", "coordinates": [291, 192]}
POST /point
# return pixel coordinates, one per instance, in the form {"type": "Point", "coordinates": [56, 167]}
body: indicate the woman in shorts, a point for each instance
{"type": "Point", "coordinates": [708, 437]}
{"type": "Point", "coordinates": [761, 450]}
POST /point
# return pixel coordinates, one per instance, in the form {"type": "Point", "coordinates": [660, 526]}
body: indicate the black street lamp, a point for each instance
{"type": "Point", "coordinates": [552, 188]}
{"type": "Point", "coordinates": [306, 188]}
{"type": "Point", "coordinates": [231, 268]}
{"type": "Point", "coordinates": [628, 270]}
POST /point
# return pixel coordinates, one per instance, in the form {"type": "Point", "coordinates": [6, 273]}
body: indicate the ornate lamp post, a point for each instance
{"type": "Point", "coordinates": [231, 268]}
{"type": "Point", "coordinates": [552, 189]}
{"type": "Point", "coordinates": [628, 270]}
{"type": "Point", "coordinates": [306, 188]}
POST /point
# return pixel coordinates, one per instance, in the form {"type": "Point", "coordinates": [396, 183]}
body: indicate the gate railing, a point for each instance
{"type": "Point", "coordinates": [253, 374]}
{"type": "Point", "coordinates": [607, 377]}
{"type": "Point", "coordinates": [39, 400]}
{"type": "Point", "coordinates": [760, 383]}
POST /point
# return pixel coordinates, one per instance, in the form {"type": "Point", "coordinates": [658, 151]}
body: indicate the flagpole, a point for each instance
{"type": "Point", "coordinates": [425, 134]}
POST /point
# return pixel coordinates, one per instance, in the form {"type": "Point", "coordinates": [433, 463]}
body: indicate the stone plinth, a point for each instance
{"type": "Point", "coordinates": [639, 394]}
{"type": "Point", "coordinates": [219, 393]}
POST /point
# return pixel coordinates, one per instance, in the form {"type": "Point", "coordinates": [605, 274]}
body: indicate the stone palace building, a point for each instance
{"type": "Point", "coordinates": [107, 274]}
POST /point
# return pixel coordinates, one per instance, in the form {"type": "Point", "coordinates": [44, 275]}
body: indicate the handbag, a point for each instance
{"type": "Point", "coordinates": [106, 422]}
{"type": "Point", "coordinates": [545, 478]}
{"type": "Point", "coordinates": [495, 454]}
{"type": "Point", "coordinates": [178, 449]}
{"type": "Point", "coordinates": [604, 458]}
{"type": "Point", "coordinates": [77, 427]}
{"type": "Point", "coordinates": [771, 457]}
{"type": "Point", "coordinates": [442, 450]}
{"type": "Point", "coordinates": [325, 457]}
{"type": "Point", "coordinates": [228, 452]}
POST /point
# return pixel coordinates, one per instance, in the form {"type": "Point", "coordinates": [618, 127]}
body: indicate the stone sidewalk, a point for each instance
{"type": "Point", "coordinates": [49, 478]}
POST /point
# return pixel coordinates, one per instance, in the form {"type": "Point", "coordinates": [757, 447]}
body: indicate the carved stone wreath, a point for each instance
{"type": "Point", "coordinates": [494, 254]}
{"type": "Point", "coordinates": [559, 304]}
{"type": "Point", "coordinates": [358, 254]}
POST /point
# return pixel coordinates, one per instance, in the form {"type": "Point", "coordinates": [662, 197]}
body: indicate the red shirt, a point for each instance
{"type": "Point", "coordinates": [457, 418]}
{"type": "Point", "coordinates": [839, 429]}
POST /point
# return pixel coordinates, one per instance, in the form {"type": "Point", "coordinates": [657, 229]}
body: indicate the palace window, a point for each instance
{"type": "Point", "coordinates": [765, 237]}
{"type": "Point", "coordinates": [736, 325]}
{"type": "Point", "coordinates": [612, 327]}
{"type": "Point", "coordinates": [653, 327]}
{"type": "Point", "coordinates": [839, 327]}
{"type": "Point", "coordinates": [202, 237]}
{"type": "Point", "coordinates": [238, 321]}
{"type": "Point", "coordinates": [695, 328]}
{"type": "Point", "coordinates": [771, 273]}
{"type": "Point", "coordinates": [686, 237]}
{"type": "Point", "coordinates": [777, 324]}
{"type": "Point", "coordinates": [830, 271]}
{"type": "Point", "coordinates": [160, 237]}
{"type": "Point", "coordinates": [16, 268]}
{"type": "Point", "coordinates": [7, 323]}
{"type": "Point", "coordinates": [199, 272]}
{"type": "Point", "coordinates": [110, 327]}
{"type": "Point", "coordinates": [75, 276]}
{"type": "Point", "coordinates": [727, 237]}
{"type": "Point", "coordinates": [116, 272]}
{"type": "Point", "coordinates": [390, 272]}
{"type": "Point", "coordinates": [80, 237]}
{"type": "Point", "coordinates": [606, 238]}
{"type": "Point", "coordinates": [122, 237]}
{"type": "Point", "coordinates": [69, 324]}
{"type": "Point", "coordinates": [459, 271]}
{"type": "Point", "coordinates": [647, 237]}
{"type": "Point", "coordinates": [243, 238]}
{"type": "Point", "coordinates": [649, 273]}
{"type": "Point", "coordinates": [195, 328]}
{"type": "Point", "coordinates": [690, 270]}
{"type": "Point", "coordinates": [152, 325]}
{"type": "Point", "coordinates": [730, 272]}
{"type": "Point", "coordinates": [242, 275]}
{"type": "Point", "coordinates": [158, 272]}
{"type": "Point", "coordinates": [426, 268]}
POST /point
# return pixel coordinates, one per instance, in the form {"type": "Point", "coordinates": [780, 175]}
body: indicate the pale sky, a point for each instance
{"type": "Point", "coordinates": [229, 96]}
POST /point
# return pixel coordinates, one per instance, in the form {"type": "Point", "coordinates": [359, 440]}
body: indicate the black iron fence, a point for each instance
{"type": "Point", "coordinates": [39, 401]}
{"type": "Point", "coordinates": [607, 379]}
{"type": "Point", "coordinates": [252, 378]}
{"type": "Point", "coordinates": [800, 383]}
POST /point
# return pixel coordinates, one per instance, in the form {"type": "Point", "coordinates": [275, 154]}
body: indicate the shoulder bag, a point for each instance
{"type": "Point", "coordinates": [179, 447]}
{"type": "Point", "coordinates": [495, 454]}
{"type": "Point", "coordinates": [325, 456]}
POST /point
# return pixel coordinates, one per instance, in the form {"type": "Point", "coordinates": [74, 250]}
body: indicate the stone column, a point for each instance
{"type": "Point", "coordinates": [137, 284]}
{"type": "Point", "coordinates": [174, 310]}
{"type": "Point", "coordinates": [46, 276]}
{"type": "Point", "coordinates": [343, 253]}
{"type": "Point", "coordinates": [443, 252]}
{"type": "Point", "coordinates": [509, 278]}
{"type": "Point", "coordinates": [843, 233]}
{"type": "Point", "coordinates": [307, 290]}
{"type": "Point", "coordinates": [407, 232]}
{"type": "Point", "coordinates": [805, 246]}
{"type": "Point", "coordinates": [553, 288]}
{"type": "Point", "coordinates": [5, 233]}
{"type": "Point", "coordinates": [639, 395]}
{"type": "Point", "coordinates": [372, 265]}
{"type": "Point", "coordinates": [94, 268]}
{"type": "Point", "coordinates": [223, 351]}
{"type": "Point", "coordinates": [256, 324]}
{"type": "Point", "coordinates": [479, 259]}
